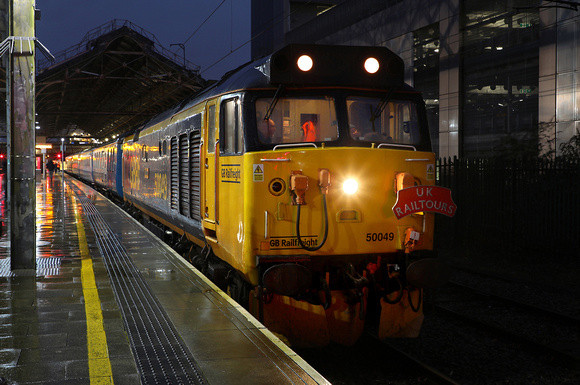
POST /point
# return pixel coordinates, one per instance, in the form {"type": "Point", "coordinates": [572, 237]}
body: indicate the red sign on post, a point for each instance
{"type": "Point", "coordinates": [424, 198]}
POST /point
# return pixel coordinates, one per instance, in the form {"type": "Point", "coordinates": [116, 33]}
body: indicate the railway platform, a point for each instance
{"type": "Point", "coordinates": [111, 303]}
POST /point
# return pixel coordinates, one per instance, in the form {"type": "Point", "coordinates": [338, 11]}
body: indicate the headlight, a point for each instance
{"type": "Point", "coordinates": [371, 65]}
{"type": "Point", "coordinates": [305, 63]}
{"type": "Point", "coordinates": [350, 186]}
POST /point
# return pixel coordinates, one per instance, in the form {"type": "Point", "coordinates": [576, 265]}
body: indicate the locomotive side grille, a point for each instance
{"type": "Point", "coordinates": [195, 141]}
{"type": "Point", "coordinates": [183, 175]}
{"type": "Point", "coordinates": [174, 174]}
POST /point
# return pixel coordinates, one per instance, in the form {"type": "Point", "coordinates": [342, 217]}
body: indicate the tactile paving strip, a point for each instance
{"type": "Point", "coordinates": [44, 267]}
{"type": "Point", "coordinates": [161, 355]}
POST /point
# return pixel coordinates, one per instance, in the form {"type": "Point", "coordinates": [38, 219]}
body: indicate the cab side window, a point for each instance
{"type": "Point", "coordinates": [211, 129]}
{"type": "Point", "coordinates": [231, 135]}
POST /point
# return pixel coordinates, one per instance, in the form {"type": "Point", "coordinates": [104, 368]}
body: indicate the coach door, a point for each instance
{"type": "Point", "coordinates": [211, 153]}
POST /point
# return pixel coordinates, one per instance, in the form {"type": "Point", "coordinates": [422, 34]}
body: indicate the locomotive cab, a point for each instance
{"type": "Point", "coordinates": [324, 163]}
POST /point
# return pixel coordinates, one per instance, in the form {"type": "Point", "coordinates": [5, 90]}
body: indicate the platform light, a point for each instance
{"type": "Point", "coordinates": [350, 186]}
{"type": "Point", "coordinates": [371, 65]}
{"type": "Point", "coordinates": [305, 63]}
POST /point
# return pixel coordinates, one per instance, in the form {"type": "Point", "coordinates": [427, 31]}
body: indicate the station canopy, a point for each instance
{"type": "Point", "coordinates": [115, 80]}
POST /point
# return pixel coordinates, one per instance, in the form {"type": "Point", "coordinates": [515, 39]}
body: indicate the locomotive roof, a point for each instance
{"type": "Point", "coordinates": [338, 68]}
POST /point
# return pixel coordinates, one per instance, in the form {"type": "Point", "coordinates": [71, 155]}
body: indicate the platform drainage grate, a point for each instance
{"type": "Point", "coordinates": [161, 355]}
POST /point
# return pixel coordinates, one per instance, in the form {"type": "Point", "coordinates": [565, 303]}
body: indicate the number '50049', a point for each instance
{"type": "Point", "coordinates": [374, 237]}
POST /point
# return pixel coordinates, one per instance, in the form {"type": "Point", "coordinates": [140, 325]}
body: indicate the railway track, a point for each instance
{"type": "Point", "coordinates": [485, 329]}
{"type": "Point", "coordinates": [432, 375]}
{"type": "Point", "coordinates": [372, 361]}
{"type": "Point", "coordinates": [537, 291]}
{"type": "Point", "coordinates": [536, 327]}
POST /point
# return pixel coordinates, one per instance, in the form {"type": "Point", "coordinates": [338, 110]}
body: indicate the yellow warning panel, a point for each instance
{"type": "Point", "coordinates": [258, 173]}
{"type": "Point", "coordinates": [430, 171]}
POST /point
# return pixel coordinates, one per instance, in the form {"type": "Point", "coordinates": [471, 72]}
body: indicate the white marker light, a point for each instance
{"type": "Point", "coordinates": [371, 65]}
{"type": "Point", "coordinates": [350, 186]}
{"type": "Point", "coordinates": [305, 63]}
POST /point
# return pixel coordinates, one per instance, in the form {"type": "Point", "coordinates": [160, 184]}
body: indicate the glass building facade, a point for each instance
{"type": "Point", "coordinates": [497, 76]}
{"type": "Point", "coordinates": [426, 73]}
{"type": "Point", "coordinates": [499, 69]}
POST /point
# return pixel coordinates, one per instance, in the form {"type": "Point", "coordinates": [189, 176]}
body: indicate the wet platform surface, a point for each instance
{"type": "Point", "coordinates": [110, 303]}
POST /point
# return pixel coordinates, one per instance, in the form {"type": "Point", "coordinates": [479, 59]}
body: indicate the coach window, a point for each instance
{"type": "Point", "coordinates": [230, 128]}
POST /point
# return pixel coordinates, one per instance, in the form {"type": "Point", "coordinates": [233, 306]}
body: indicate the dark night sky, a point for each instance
{"type": "Point", "coordinates": [64, 23]}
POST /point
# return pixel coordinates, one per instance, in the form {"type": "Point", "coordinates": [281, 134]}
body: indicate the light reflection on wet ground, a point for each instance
{"type": "Point", "coordinates": [3, 186]}
{"type": "Point", "coordinates": [55, 228]}
{"type": "Point", "coordinates": [43, 324]}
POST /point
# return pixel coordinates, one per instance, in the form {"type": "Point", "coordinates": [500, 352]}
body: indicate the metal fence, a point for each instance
{"type": "Point", "coordinates": [528, 206]}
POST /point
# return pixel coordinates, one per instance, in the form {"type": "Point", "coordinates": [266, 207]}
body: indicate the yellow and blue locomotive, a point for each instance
{"type": "Point", "coordinates": [303, 185]}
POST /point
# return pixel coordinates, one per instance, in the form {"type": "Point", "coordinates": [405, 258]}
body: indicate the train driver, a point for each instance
{"type": "Point", "coordinates": [266, 130]}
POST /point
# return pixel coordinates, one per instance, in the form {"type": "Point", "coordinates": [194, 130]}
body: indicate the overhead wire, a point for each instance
{"type": "Point", "coordinates": [273, 23]}
{"type": "Point", "coordinates": [205, 21]}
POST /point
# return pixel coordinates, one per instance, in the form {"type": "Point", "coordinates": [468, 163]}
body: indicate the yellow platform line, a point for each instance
{"type": "Point", "coordinates": [100, 371]}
